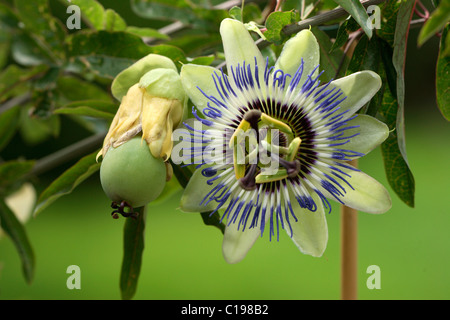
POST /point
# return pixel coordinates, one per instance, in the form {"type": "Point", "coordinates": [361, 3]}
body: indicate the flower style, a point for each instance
{"type": "Point", "coordinates": [308, 130]}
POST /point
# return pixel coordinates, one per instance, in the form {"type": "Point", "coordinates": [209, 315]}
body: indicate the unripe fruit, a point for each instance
{"type": "Point", "coordinates": [130, 174]}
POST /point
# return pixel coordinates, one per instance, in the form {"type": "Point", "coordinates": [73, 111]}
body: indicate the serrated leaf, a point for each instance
{"type": "Point", "coordinates": [67, 181]}
{"type": "Point", "coordinates": [16, 232]}
{"type": "Point", "coordinates": [133, 247]}
{"type": "Point", "coordinates": [443, 76]}
{"type": "Point", "coordinates": [358, 12]}
{"type": "Point", "coordinates": [435, 23]}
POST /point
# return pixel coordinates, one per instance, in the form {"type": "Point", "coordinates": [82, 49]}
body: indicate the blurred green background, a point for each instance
{"type": "Point", "coordinates": [183, 259]}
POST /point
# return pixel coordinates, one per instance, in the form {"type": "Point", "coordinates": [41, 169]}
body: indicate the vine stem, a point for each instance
{"type": "Point", "coordinates": [349, 251]}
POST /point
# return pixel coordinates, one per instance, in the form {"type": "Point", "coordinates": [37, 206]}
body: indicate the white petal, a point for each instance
{"type": "Point", "coordinates": [368, 195]}
{"type": "Point", "coordinates": [303, 46]}
{"type": "Point", "coordinates": [359, 88]}
{"type": "Point", "coordinates": [194, 77]}
{"type": "Point", "coordinates": [310, 232]}
{"type": "Point", "coordinates": [195, 191]}
{"type": "Point", "coordinates": [237, 243]}
{"type": "Point", "coordinates": [239, 46]}
{"type": "Point", "coordinates": [372, 133]}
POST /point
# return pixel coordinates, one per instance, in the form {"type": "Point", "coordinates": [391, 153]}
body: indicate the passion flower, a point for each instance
{"type": "Point", "coordinates": [308, 129]}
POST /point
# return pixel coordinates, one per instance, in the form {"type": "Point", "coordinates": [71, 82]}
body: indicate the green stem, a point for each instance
{"type": "Point", "coordinates": [133, 247]}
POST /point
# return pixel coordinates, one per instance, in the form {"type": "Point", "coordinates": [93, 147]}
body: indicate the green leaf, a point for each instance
{"type": "Point", "coordinates": [15, 230]}
{"type": "Point", "coordinates": [90, 108]}
{"type": "Point", "coordinates": [386, 58]}
{"type": "Point", "coordinates": [392, 109]}
{"type": "Point", "coordinates": [108, 53]}
{"type": "Point", "coordinates": [5, 44]}
{"type": "Point", "coordinates": [48, 31]}
{"type": "Point", "coordinates": [347, 26]}
{"type": "Point", "coordinates": [9, 121]}
{"type": "Point", "coordinates": [34, 129]}
{"type": "Point", "coordinates": [213, 220]}
{"type": "Point", "coordinates": [275, 24]}
{"type": "Point", "coordinates": [443, 77]}
{"type": "Point", "coordinates": [97, 17]}
{"type": "Point", "coordinates": [113, 21]}
{"type": "Point", "coordinates": [436, 22]}
{"type": "Point", "coordinates": [334, 64]}
{"type": "Point", "coordinates": [397, 170]}
{"type": "Point", "coordinates": [204, 60]}
{"type": "Point", "coordinates": [12, 173]}
{"type": "Point", "coordinates": [164, 10]}
{"type": "Point", "coordinates": [366, 56]}
{"type": "Point", "coordinates": [389, 13]}
{"type": "Point", "coordinates": [26, 51]}
{"type": "Point", "coordinates": [67, 181]}
{"type": "Point", "coordinates": [147, 32]}
{"type": "Point", "coordinates": [236, 13]}
{"type": "Point", "coordinates": [92, 12]}
{"type": "Point", "coordinates": [14, 77]}
{"type": "Point", "coordinates": [76, 89]}
{"type": "Point", "coordinates": [250, 12]}
{"type": "Point", "coordinates": [183, 174]}
{"type": "Point", "coordinates": [358, 12]}
{"type": "Point", "coordinates": [133, 247]}
{"type": "Point", "coordinates": [398, 59]}
{"type": "Point", "coordinates": [171, 187]}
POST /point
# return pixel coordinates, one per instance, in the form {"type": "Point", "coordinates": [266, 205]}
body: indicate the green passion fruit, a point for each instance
{"type": "Point", "coordinates": [131, 177]}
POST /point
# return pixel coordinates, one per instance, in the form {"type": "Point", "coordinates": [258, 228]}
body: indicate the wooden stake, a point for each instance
{"type": "Point", "coordinates": [349, 251]}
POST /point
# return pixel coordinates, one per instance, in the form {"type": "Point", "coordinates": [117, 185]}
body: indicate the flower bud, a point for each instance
{"type": "Point", "coordinates": [155, 104]}
{"type": "Point", "coordinates": [162, 110]}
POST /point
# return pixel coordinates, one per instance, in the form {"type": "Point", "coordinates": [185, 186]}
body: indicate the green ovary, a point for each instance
{"type": "Point", "coordinates": [130, 173]}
